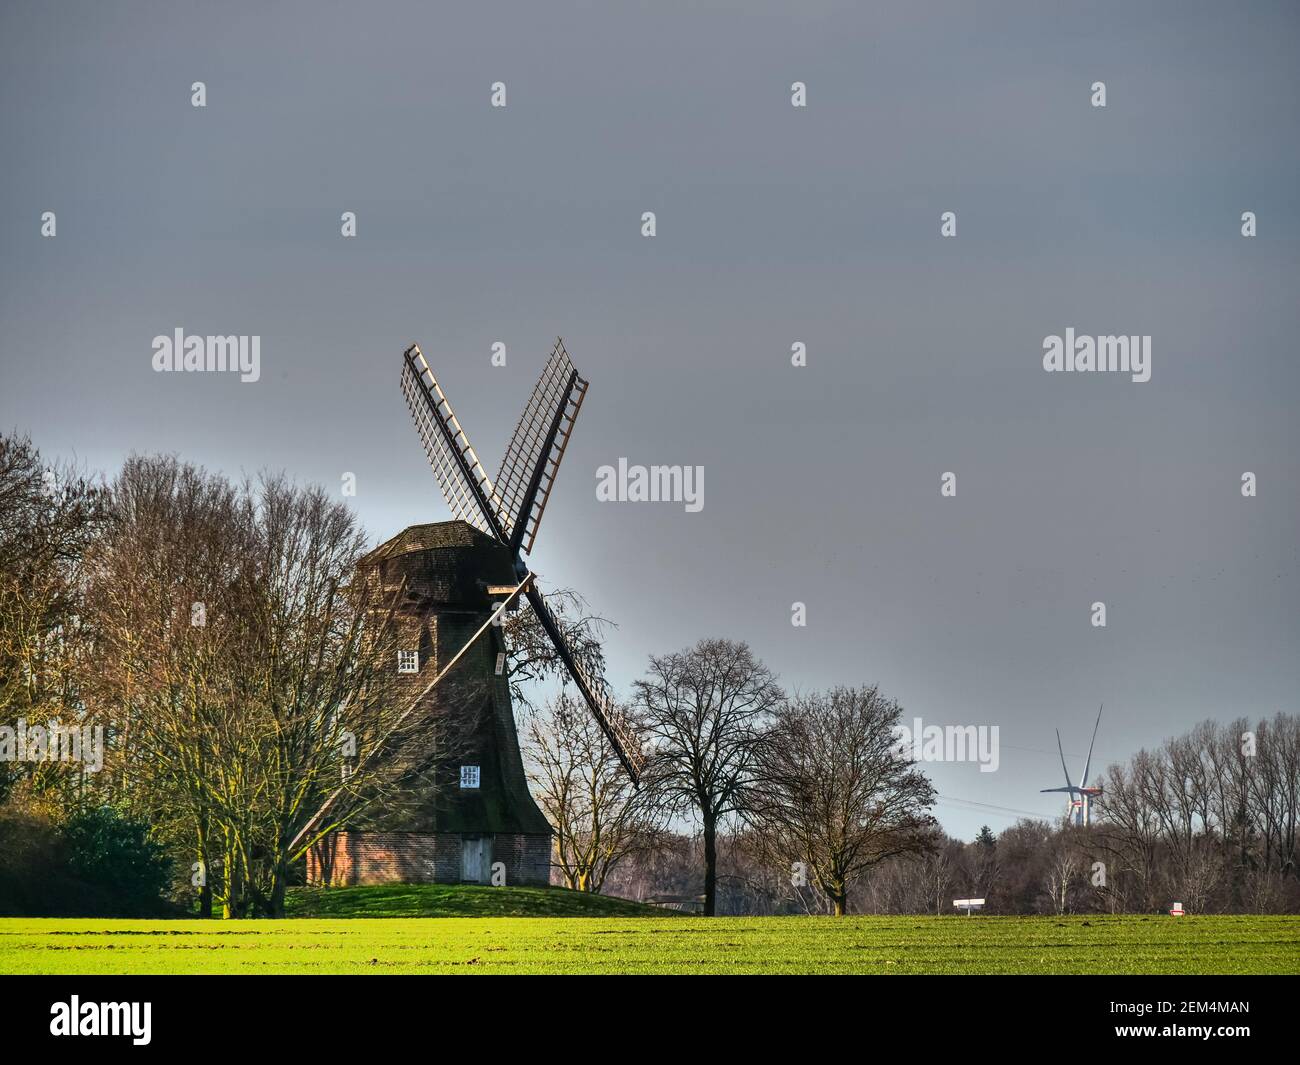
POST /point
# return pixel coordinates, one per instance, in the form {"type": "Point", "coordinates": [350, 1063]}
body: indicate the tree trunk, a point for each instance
{"type": "Point", "coordinates": [280, 877]}
{"type": "Point", "coordinates": [205, 889]}
{"type": "Point", "coordinates": [231, 882]}
{"type": "Point", "coordinates": [229, 890]}
{"type": "Point", "coordinates": [710, 866]}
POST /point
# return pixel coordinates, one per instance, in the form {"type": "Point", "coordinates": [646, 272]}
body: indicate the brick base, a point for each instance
{"type": "Point", "coordinates": [349, 858]}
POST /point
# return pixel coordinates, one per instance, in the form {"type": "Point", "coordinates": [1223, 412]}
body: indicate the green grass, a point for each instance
{"type": "Point", "coordinates": [657, 945]}
{"type": "Point", "coordinates": [457, 900]}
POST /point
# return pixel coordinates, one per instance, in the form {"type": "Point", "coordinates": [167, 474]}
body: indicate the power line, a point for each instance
{"type": "Point", "coordinates": [1036, 750]}
{"type": "Point", "coordinates": [949, 799]}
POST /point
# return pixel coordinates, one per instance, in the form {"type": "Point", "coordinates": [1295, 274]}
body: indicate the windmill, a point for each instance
{"type": "Point", "coordinates": [510, 509]}
{"type": "Point", "coordinates": [1079, 809]}
{"type": "Point", "coordinates": [470, 817]}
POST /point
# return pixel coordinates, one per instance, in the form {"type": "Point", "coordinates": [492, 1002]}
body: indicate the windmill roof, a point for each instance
{"type": "Point", "coordinates": [434, 535]}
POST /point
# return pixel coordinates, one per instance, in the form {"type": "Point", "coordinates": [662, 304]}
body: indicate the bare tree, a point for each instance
{"type": "Point", "coordinates": [1128, 833]}
{"type": "Point", "coordinates": [314, 676]}
{"type": "Point", "coordinates": [160, 599]}
{"type": "Point", "coordinates": [834, 793]}
{"type": "Point", "coordinates": [1061, 882]}
{"type": "Point", "coordinates": [1273, 780]}
{"type": "Point", "coordinates": [985, 864]}
{"type": "Point", "coordinates": [706, 710]}
{"type": "Point", "coordinates": [1179, 790]}
{"type": "Point", "coordinates": [936, 877]}
{"type": "Point", "coordinates": [600, 817]}
{"type": "Point", "coordinates": [531, 652]}
{"type": "Point", "coordinates": [243, 661]}
{"type": "Point", "coordinates": [48, 515]}
{"type": "Point", "coordinates": [1230, 804]}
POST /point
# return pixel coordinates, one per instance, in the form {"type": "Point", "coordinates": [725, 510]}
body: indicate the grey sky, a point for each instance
{"type": "Point", "coordinates": [774, 225]}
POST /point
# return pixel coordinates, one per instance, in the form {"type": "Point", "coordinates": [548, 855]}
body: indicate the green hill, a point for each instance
{"type": "Point", "coordinates": [458, 900]}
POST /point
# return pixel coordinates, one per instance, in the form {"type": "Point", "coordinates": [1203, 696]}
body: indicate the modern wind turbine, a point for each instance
{"type": "Point", "coordinates": [1080, 804]}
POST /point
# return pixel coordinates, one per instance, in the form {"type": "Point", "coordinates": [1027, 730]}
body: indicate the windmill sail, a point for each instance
{"type": "Point", "coordinates": [609, 718]}
{"type": "Point", "coordinates": [460, 475]}
{"type": "Point", "coordinates": [533, 456]}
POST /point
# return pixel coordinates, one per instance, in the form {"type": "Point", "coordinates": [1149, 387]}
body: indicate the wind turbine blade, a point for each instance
{"type": "Point", "coordinates": [1088, 764]}
{"type": "Point", "coordinates": [1061, 751]}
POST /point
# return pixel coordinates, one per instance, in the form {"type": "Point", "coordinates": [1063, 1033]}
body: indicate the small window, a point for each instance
{"type": "Point", "coordinates": [469, 776]}
{"type": "Point", "coordinates": [408, 661]}
{"type": "Point", "coordinates": [501, 662]}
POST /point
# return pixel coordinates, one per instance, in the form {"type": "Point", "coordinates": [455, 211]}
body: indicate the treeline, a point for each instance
{"type": "Point", "coordinates": [203, 664]}
{"type": "Point", "coordinates": [194, 665]}
{"type": "Point", "coordinates": [814, 781]}
{"type": "Point", "coordinates": [1208, 820]}
{"type": "Point", "coordinates": [197, 683]}
{"type": "Point", "coordinates": [803, 805]}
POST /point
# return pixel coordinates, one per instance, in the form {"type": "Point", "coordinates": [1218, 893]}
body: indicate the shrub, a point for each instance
{"type": "Point", "coordinates": [114, 855]}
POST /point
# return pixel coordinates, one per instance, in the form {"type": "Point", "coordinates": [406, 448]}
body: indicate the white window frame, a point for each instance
{"type": "Point", "coordinates": [470, 773]}
{"type": "Point", "coordinates": [408, 661]}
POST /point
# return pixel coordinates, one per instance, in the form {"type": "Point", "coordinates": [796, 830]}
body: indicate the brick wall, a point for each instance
{"type": "Point", "coordinates": [349, 858]}
{"type": "Point", "coordinates": [527, 858]}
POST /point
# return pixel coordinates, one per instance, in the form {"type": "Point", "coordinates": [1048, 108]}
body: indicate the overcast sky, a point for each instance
{"type": "Point", "coordinates": [775, 224]}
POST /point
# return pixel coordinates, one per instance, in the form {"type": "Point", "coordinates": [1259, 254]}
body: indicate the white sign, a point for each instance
{"type": "Point", "coordinates": [968, 904]}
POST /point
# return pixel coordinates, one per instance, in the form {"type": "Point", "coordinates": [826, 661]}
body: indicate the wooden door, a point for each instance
{"type": "Point", "coordinates": [475, 858]}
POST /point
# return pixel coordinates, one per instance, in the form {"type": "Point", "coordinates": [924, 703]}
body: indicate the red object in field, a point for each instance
{"type": "Point", "coordinates": [1177, 910]}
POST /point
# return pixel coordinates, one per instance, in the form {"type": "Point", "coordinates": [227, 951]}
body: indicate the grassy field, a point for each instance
{"type": "Point", "coordinates": [656, 944]}
{"type": "Point", "coordinates": [457, 900]}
